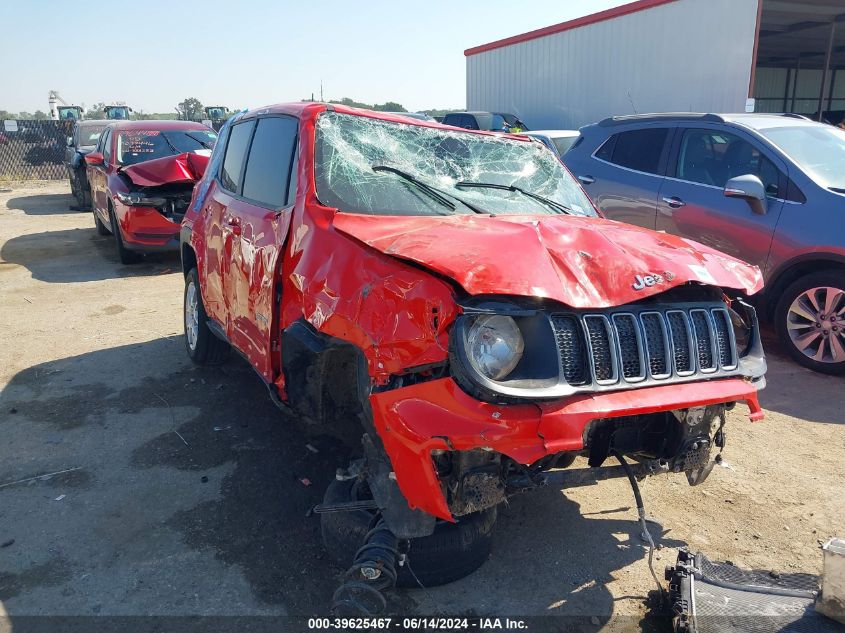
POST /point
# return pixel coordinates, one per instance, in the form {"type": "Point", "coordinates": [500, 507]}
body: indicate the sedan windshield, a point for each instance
{"type": "Point", "coordinates": [377, 167]}
{"type": "Point", "coordinates": [818, 149]}
{"type": "Point", "coordinates": [137, 146]}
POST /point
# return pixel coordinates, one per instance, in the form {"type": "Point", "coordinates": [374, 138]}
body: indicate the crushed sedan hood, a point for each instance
{"type": "Point", "coordinates": [187, 167]}
{"type": "Point", "coordinates": [581, 262]}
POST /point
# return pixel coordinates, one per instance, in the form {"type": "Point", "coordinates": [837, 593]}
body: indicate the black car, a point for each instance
{"type": "Point", "coordinates": [81, 142]}
{"type": "Point", "coordinates": [490, 121]}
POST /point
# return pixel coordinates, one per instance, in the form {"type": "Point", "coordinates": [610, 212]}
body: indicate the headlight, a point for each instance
{"type": "Point", "coordinates": [494, 345]}
{"type": "Point", "coordinates": [742, 332]}
{"type": "Point", "coordinates": [135, 199]}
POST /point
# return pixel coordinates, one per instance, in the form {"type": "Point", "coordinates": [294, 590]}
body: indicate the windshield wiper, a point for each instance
{"type": "Point", "coordinates": [172, 146]}
{"type": "Point", "coordinates": [441, 196]}
{"type": "Point", "coordinates": [425, 188]}
{"type": "Point", "coordinates": [205, 144]}
{"type": "Point", "coordinates": [492, 185]}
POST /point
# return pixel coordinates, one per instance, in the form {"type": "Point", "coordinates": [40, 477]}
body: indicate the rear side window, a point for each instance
{"type": "Point", "coordinates": [233, 161]}
{"type": "Point", "coordinates": [107, 148]}
{"type": "Point", "coordinates": [636, 149]}
{"type": "Point", "coordinates": [268, 168]}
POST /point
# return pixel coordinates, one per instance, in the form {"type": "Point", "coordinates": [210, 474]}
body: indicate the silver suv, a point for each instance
{"type": "Point", "coordinates": [766, 188]}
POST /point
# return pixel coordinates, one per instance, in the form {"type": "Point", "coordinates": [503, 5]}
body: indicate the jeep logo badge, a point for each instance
{"type": "Point", "coordinates": [647, 281]}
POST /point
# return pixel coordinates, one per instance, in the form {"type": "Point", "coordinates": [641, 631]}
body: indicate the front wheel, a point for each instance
{"type": "Point", "coordinates": [203, 347]}
{"type": "Point", "coordinates": [810, 321]}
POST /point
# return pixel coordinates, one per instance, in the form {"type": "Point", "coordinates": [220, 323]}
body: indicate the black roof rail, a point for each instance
{"type": "Point", "coordinates": [660, 116]}
{"type": "Point", "coordinates": [795, 115]}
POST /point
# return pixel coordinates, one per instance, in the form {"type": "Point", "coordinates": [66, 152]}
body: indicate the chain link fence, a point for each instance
{"type": "Point", "coordinates": [36, 150]}
{"type": "Point", "coordinates": [31, 150]}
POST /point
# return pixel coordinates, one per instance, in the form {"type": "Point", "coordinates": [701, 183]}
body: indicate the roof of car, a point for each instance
{"type": "Point", "coordinates": [92, 123]}
{"type": "Point", "coordinates": [755, 120]}
{"type": "Point", "coordinates": [156, 125]}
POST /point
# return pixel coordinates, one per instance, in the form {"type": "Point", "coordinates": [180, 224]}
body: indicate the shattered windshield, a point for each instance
{"type": "Point", "coordinates": [377, 167]}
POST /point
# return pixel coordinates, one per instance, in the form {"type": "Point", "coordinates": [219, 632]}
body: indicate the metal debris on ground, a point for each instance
{"type": "Point", "coordinates": [43, 477]}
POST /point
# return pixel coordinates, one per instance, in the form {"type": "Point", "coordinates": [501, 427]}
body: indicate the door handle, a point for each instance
{"type": "Point", "coordinates": [586, 180]}
{"type": "Point", "coordinates": [675, 202]}
{"type": "Point", "coordinates": [234, 224]}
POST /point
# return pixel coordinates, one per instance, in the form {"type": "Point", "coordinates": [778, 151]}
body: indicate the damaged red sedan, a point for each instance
{"type": "Point", "coordinates": [451, 303]}
{"type": "Point", "coordinates": [141, 175]}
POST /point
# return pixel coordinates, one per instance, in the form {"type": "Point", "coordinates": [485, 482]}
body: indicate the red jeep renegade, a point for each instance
{"type": "Point", "coordinates": [452, 303]}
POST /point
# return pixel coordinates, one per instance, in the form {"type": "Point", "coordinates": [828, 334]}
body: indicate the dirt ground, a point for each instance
{"type": "Point", "coordinates": [182, 492]}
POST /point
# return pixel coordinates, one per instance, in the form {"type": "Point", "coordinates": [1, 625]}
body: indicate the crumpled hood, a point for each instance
{"type": "Point", "coordinates": [187, 167]}
{"type": "Point", "coordinates": [581, 262]}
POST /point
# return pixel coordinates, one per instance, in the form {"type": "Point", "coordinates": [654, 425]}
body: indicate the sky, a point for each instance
{"type": "Point", "coordinates": [152, 54]}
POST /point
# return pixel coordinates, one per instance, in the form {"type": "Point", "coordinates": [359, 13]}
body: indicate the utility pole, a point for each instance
{"type": "Point", "coordinates": [321, 90]}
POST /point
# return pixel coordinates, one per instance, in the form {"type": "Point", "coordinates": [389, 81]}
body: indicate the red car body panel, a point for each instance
{"type": "Point", "coordinates": [185, 167]}
{"type": "Point", "coordinates": [143, 227]}
{"type": "Point", "coordinates": [358, 278]}
{"type": "Point", "coordinates": [582, 262]}
{"type": "Point", "coordinates": [413, 421]}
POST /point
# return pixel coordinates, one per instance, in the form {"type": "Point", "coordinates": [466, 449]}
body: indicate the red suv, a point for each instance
{"type": "Point", "coordinates": [452, 303]}
{"type": "Point", "coordinates": [141, 176]}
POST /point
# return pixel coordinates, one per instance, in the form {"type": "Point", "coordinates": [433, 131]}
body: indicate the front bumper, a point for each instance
{"type": "Point", "coordinates": [146, 229]}
{"type": "Point", "coordinates": [412, 421]}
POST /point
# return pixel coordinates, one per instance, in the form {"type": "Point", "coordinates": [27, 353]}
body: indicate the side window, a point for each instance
{"type": "Point", "coordinates": [233, 161]}
{"type": "Point", "coordinates": [636, 149]}
{"type": "Point", "coordinates": [712, 157]}
{"type": "Point", "coordinates": [107, 147]}
{"type": "Point", "coordinates": [267, 175]}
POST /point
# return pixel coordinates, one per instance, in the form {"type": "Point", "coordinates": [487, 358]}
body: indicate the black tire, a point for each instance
{"type": "Point", "coordinates": [826, 279]}
{"type": "Point", "coordinates": [207, 349]}
{"type": "Point", "coordinates": [126, 256]}
{"type": "Point", "coordinates": [453, 551]}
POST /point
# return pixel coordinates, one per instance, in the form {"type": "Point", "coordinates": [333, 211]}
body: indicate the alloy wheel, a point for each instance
{"type": "Point", "coordinates": [816, 324]}
{"type": "Point", "coordinates": [192, 315]}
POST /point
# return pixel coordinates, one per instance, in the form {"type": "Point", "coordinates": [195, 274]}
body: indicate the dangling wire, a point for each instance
{"type": "Point", "coordinates": [641, 513]}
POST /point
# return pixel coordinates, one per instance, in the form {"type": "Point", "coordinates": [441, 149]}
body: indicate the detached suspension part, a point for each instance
{"type": "Point", "coordinates": [373, 572]}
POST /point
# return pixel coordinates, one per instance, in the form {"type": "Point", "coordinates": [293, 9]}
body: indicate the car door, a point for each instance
{"type": "Point", "coordinates": [258, 221]}
{"type": "Point", "coordinates": [624, 175]}
{"type": "Point", "coordinates": [97, 177]}
{"type": "Point", "coordinates": [219, 235]}
{"type": "Point", "coordinates": [692, 199]}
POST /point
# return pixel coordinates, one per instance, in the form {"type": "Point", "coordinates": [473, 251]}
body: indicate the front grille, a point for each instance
{"type": "Point", "coordinates": [658, 344]}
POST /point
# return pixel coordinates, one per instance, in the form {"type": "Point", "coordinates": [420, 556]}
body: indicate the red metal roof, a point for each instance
{"type": "Point", "coordinates": [601, 16]}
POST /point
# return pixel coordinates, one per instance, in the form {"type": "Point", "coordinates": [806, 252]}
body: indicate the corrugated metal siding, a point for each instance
{"type": "Point", "coordinates": [684, 56]}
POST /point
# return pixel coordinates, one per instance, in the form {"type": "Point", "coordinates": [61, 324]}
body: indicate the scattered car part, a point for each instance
{"type": "Point", "coordinates": [721, 598]}
{"type": "Point", "coordinates": [832, 599]}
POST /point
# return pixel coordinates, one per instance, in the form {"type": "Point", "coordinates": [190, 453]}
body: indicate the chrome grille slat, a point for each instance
{"type": "Point", "coordinates": [664, 343]}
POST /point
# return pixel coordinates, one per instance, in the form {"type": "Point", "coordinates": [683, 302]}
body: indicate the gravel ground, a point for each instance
{"type": "Point", "coordinates": [182, 491]}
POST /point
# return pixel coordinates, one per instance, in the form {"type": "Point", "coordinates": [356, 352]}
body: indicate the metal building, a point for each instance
{"type": "Point", "coordinates": [668, 56]}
